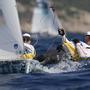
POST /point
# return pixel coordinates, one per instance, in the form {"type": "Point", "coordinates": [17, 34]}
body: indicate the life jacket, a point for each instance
{"type": "Point", "coordinates": [72, 50]}
{"type": "Point", "coordinates": [28, 56]}
{"type": "Point", "coordinates": [29, 52]}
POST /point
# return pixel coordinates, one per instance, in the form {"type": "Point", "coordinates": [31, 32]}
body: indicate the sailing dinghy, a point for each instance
{"type": "Point", "coordinates": [46, 21]}
{"type": "Point", "coordinates": [11, 42]}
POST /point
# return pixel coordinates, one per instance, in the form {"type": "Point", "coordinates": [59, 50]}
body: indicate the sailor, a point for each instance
{"type": "Point", "coordinates": [76, 47]}
{"type": "Point", "coordinates": [83, 48]}
{"type": "Point", "coordinates": [29, 50]}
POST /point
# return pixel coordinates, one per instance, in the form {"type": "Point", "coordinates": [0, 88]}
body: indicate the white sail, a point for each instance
{"type": "Point", "coordinates": [11, 44]}
{"type": "Point", "coordinates": [44, 19]}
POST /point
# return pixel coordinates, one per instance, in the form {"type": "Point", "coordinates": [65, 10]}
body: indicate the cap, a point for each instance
{"type": "Point", "coordinates": [88, 33]}
{"type": "Point", "coordinates": [27, 35]}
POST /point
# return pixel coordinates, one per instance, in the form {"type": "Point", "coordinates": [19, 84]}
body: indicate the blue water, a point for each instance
{"type": "Point", "coordinates": [63, 76]}
{"type": "Point", "coordinates": [43, 81]}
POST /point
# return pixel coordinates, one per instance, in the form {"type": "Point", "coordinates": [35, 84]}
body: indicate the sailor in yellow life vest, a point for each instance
{"type": "Point", "coordinates": [29, 50]}
{"type": "Point", "coordinates": [77, 49]}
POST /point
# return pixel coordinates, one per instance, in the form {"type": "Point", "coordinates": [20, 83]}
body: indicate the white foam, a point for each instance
{"type": "Point", "coordinates": [63, 66]}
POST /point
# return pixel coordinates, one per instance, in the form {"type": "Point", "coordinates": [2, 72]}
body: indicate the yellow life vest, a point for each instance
{"type": "Point", "coordinates": [72, 50]}
{"type": "Point", "coordinates": [28, 55]}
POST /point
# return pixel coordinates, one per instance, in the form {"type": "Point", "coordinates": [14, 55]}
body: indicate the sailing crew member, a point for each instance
{"type": "Point", "coordinates": [76, 47]}
{"type": "Point", "coordinates": [29, 52]}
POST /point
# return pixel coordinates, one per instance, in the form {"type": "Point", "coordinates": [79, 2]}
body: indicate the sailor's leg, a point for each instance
{"type": "Point", "coordinates": [27, 66]}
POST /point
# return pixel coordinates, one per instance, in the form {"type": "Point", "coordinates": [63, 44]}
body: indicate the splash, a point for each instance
{"type": "Point", "coordinates": [65, 65]}
{"type": "Point", "coordinates": [62, 66]}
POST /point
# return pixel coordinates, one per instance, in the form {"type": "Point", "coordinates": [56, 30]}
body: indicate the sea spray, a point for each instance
{"type": "Point", "coordinates": [62, 66]}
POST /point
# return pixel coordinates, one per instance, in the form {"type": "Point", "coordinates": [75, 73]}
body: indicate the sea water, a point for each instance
{"type": "Point", "coordinates": [65, 75]}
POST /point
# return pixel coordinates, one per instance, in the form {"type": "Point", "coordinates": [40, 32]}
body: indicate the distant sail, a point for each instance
{"type": "Point", "coordinates": [44, 19]}
{"type": "Point", "coordinates": [11, 44]}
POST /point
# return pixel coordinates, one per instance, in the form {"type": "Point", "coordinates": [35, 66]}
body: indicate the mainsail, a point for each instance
{"type": "Point", "coordinates": [11, 44]}
{"type": "Point", "coordinates": [44, 19]}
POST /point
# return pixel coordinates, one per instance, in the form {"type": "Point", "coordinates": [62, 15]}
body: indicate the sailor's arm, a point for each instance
{"type": "Point", "coordinates": [34, 54]}
{"type": "Point", "coordinates": [61, 32]}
